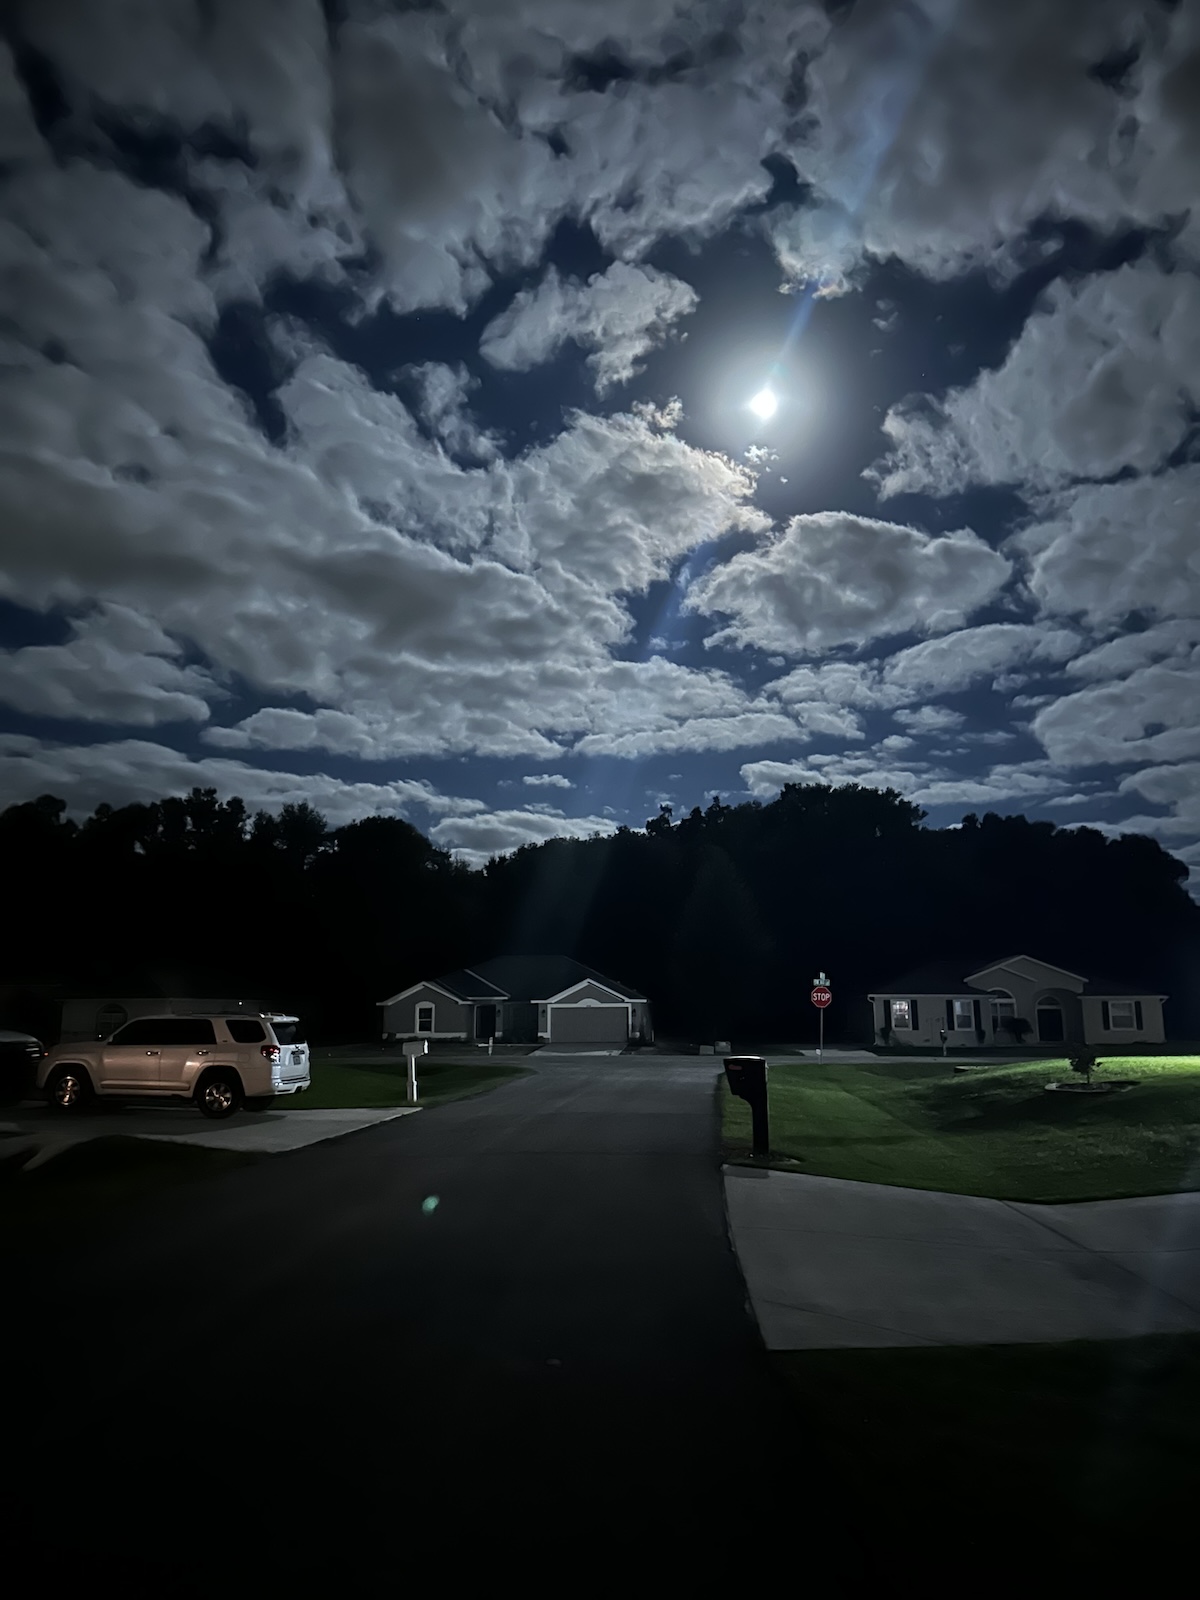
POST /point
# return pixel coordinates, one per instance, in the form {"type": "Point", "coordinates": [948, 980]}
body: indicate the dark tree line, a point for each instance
{"type": "Point", "coordinates": [722, 917]}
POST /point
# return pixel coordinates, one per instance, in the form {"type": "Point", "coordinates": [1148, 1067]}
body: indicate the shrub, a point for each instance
{"type": "Point", "coordinates": [1083, 1060]}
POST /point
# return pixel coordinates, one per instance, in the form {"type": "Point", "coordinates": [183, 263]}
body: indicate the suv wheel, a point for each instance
{"type": "Point", "coordinates": [70, 1089]}
{"type": "Point", "coordinates": [219, 1093]}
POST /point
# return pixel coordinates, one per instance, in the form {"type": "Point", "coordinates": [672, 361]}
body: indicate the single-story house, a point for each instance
{"type": "Point", "coordinates": [1019, 998]}
{"type": "Point", "coordinates": [519, 999]}
{"type": "Point", "coordinates": [98, 1018]}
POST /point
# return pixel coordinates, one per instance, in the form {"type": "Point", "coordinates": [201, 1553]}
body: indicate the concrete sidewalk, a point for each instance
{"type": "Point", "coordinates": [830, 1263]}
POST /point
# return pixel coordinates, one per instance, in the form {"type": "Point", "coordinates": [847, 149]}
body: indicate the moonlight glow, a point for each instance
{"type": "Point", "coordinates": [765, 404]}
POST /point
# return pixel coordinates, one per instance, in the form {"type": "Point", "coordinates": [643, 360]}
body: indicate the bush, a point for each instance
{"type": "Point", "coordinates": [1083, 1060]}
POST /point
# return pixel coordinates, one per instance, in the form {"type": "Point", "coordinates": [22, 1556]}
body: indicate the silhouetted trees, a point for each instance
{"type": "Point", "coordinates": [722, 917]}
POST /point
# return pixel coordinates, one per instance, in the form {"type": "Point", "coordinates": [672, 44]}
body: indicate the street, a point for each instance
{"type": "Point", "coordinates": [510, 1330]}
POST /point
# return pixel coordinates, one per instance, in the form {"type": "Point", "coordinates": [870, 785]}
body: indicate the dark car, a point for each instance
{"type": "Point", "coordinates": [20, 1056]}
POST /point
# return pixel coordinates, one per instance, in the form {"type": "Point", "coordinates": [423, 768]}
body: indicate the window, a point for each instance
{"type": "Point", "coordinates": [1120, 1014]}
{"type": "Point", "coordinates": [1004, 1009]}
{"type": "Point", "coordinates": [901, 1014]}
{"type": "Point", "coordinates": [964, 1014]}
{"type": "Point", "coordinates": [425, 1017]}
{"type": "Point", "coordinates": [186, 1030]}
{"type": "Point", "coordinates": [245, 1030]}
{"type": "Point", "coordinates": [289, 1032]}
{"type": "Point", "coordinates": [146, 1030]}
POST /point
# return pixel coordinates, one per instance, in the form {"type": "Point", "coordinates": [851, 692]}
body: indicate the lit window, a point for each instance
{"type": "Point", "coordinates": [425, 1018]}
{"type": "Point", "coordinates": [1120, 1014]}
{"type": "Point", "coordinates": [901, 1014]}
{"type": "Point", "coordinates": [964, 1014]}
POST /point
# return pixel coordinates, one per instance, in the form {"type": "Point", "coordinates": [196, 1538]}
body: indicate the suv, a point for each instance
{"type": "Point", "coordinates": [221, 1063]}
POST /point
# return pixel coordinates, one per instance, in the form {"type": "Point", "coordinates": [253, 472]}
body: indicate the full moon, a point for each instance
{"type": "Point", "coordinates": [765, 404]}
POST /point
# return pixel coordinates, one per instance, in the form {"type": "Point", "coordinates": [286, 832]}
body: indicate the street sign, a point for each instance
{"type": "Point", "coordinates": [821, 997]}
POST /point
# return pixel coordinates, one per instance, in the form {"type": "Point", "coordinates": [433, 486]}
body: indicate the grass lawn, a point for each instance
{"type": "Point", "coordinates": [992, 1131]}
{"type": "Point", "coordinates": [90, 1185]}
{"type": "Point", "coordinates": [1078, 1444]}
{"type": "Point", "coordinates": [368, 1084]}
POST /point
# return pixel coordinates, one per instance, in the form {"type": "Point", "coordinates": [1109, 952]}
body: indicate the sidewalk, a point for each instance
{"type": "Point", "coordinates": [831, 1263]}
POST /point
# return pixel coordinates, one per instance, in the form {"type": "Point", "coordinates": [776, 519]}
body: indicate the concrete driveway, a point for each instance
{"type": "Point", "coordinates": [830, 1263]}
{"type": "Point", "coordinates": [46, 1132]}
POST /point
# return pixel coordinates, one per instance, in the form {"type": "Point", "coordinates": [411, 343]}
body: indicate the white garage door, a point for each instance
{"type": "Point", "coordinates": [589, 1024]}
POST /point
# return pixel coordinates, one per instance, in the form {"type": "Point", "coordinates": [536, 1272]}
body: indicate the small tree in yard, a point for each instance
{"type": "Point", "coordinates": [1083, 1061]}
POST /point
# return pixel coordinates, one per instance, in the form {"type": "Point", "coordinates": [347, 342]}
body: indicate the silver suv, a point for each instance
{"type": "Point", "coordinates": [222, 1063]}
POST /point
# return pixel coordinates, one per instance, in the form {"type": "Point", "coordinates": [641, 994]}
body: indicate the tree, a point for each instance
{"type": "Point", "coordinates": [1083, 1060]}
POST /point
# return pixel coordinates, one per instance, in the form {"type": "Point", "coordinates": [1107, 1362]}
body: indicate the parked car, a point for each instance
{"type": "Point", "coordinates": [20, 1054]}
{"type": "Point", "coordinates": [220, 1063]}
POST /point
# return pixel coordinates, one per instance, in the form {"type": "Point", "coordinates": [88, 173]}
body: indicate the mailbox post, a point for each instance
{"type": "Point", "coordinates": [747, 1078]}
{"type": "Point", "coordinates": [412, 1049]}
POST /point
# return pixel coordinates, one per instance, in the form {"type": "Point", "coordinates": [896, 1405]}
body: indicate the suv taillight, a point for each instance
{"type": "Point", "coordinates": [271, 1051]}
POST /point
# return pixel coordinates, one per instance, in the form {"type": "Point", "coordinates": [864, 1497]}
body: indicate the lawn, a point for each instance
{"type": "Point", "coordinates": [1071, 1446]}
{"type": "Point", "coordinates": [993, 1131]}
{"type": "Point", "coordinates": [371, 1084]}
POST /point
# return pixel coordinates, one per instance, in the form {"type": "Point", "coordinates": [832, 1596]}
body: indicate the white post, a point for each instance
{"type": "Point", "coordinates": [821, 1038]}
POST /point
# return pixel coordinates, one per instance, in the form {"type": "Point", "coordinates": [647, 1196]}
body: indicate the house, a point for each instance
{"type": "Point", "coordinates": [1019, 998]}
{"type": "Point", "coordinates": [99, 1018]}
{"type": "Point", "coordinates": [519, 999]}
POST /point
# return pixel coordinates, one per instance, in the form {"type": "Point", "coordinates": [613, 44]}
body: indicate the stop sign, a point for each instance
{"type": "Point", "coordinates": [821, 997]}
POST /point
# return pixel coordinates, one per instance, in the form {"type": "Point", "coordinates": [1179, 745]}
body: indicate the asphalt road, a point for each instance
{"type": "Point", "coordinates": [506, 1336]}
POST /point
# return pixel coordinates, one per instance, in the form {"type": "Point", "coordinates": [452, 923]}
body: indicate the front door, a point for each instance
{"type": "Point", "coordinates": [485, 1022]}
{"type": "Point", "coordinates": [130, 1060]}
{"type": "Point", "coordinates": [1050, 1024]}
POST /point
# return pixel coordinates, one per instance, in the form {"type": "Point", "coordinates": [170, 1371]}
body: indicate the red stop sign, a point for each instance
{"type": "Point", "coordinates": [821, 998]}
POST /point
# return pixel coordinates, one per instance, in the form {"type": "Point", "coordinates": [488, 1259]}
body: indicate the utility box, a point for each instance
{"type": "Point", "coordinates": [747, 1078]}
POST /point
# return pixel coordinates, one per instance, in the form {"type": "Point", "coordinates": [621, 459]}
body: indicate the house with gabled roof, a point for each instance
{"type": "Point", "coordinates": [1019, 998]}
{"type": "Point", "coordinates": [519, 999]}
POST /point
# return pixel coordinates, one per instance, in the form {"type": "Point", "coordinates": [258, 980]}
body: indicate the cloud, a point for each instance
{"type": "Point", "coordinates": [832, 578]}
{"type": "Point", "coordinates": [619, 315]}
{"type": "Point", "coordinates": [1152, 715]}
{"type": "Point", "coordinates": [1105, 374]}
{"type": "Point", "coordinates": [1109, 549]}
{"type": "Point", "coordinates": [118, 667]}
{"type": "Point", "coordinates": [919, 782]}
{"type": "Point", "coordinates": [1117, 657]}
{"type": "Point", "coordinates": [129, 771]}
{"type": "Point", "coordinates": [547, 780]}
{"type": "Point", "coordinates": [475, 839]}
{"type": "Point", "coordinates": [957, 660]}
{"type": "Point", "coordinates": [930, 719]}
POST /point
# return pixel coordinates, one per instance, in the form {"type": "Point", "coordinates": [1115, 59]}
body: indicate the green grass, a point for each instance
{"type": "Point", "coordinates": [92, 1185]}
{"type": "Point", "coordinates": [1075, 1444]}
{"type": "Point", "coordinates": [372, 1084]}
{"type": "Point", "coordinates": [993, 1131]}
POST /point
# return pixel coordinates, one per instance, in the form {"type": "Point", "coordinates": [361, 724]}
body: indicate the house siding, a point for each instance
{"type": "Point", "coordinates": [1152, 1030]}
{"type": "Point", "coordinates": [452, 1019]}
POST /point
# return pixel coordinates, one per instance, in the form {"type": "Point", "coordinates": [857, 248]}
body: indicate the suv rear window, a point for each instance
{"type": "Point", "coordinates": [245, 1030]}
{"type": "Point", "coordinates": [289, 1032]}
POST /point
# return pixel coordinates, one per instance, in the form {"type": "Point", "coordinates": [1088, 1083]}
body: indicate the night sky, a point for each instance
{"type": "Point", "coordinates": [375, 424]}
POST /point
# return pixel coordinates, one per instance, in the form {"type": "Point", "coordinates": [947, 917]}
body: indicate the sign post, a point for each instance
{"type": "Point", "coordinates": [821, 995]}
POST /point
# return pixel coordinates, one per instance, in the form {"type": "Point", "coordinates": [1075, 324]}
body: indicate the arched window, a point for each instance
{"type": "Point", "coordinates": [109, 1018]}
{"type": "Point", "coordinates": [1003, 1007]}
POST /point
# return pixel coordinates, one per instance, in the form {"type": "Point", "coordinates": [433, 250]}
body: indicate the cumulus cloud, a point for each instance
{"type": "Point", "coordinates": [1151, 715]}
{"type": "Point", "coordinates": [131, 771]}
{"type": "Point", "coordinates": [475, 839]}
{"type": "Point", "coordinates": [832, 578]}
{"type": "Point", "coordinates": [118, 667]}
{"type": "Point", "coordinates": [619, 315]}
{"type": "Point", "coordinates": [547, 780]}
{"type": "Point", "coordinates": [1109, 549]}
{"type": "Point", "coordinates": [920, 782]}
{"type": "Point", "coordinates": [1105, 374]}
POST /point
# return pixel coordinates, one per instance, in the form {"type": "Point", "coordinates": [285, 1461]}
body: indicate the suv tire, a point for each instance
{"type": "Point", "coordinates": [259, 1102]}
{"type": "Point", "coordinates": [70, 1090]}
{"type": "Point", "coordinates": [219, 1093]}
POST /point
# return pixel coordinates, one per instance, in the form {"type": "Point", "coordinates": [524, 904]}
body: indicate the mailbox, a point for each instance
{"type": "Point", "coordinates": [747, 1078]}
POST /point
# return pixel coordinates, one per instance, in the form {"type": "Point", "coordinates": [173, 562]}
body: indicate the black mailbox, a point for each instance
{"type": "Point", "coordinates": [747, 1078]}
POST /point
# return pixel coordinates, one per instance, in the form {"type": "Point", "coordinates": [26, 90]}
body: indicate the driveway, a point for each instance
{"type": "Point", "coordinates": [830, 1263]}
{"type": "Point", "coordinates": [511, 1329]}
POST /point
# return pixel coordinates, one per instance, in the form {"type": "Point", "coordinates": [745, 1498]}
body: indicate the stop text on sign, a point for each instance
{"type": "Point", "coordinates": [821, 997]}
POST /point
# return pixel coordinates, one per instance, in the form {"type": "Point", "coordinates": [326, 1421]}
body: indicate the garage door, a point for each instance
{"type": "Point", "coordinates": [589, 1024]}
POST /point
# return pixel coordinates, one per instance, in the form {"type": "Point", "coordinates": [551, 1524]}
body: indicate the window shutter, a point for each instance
{"type": "Point", "coordinates": [978, 1015]}
{"type": "Point", "coordinates": [887, 1013]}
{"type": "Point", "coordinates": [1104, 1016]}
{"type": "Point", "coordinates": [915, 1020]}
{"type": "Point", "coordinates": [1137, 1014]}
{"type": "Point", "coordinates": [949, 1016]}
